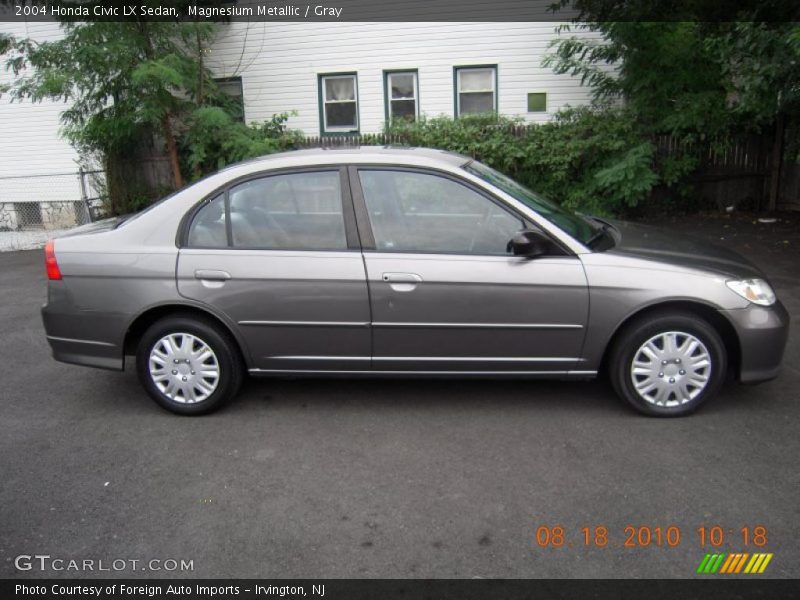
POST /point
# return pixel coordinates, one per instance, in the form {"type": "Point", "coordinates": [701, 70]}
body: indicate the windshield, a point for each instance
{"type": "Point", "coordinates": [581, 228]}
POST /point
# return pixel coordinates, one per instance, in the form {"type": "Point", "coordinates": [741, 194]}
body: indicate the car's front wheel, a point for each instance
{"type": "Point", "coordinates": [668, 364]}
{"type": "Point", "coordinates": [188, 366]}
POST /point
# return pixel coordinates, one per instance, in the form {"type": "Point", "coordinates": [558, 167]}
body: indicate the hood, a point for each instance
{"type": "Point", "coordinates": [646, 242]}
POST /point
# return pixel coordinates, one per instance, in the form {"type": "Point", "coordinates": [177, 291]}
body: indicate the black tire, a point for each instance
{"type": "Point", "coordinates": [231, 367]}
{"type": "Point", "coordinates": [643, 329]}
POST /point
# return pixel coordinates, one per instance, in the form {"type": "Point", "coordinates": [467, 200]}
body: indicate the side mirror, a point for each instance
{"type": "Point", "coordinates": [529, 244]}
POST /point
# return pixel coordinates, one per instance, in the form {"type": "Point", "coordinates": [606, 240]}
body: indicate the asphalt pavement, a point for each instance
{"type": "Point", "coordinates": [382, 478]}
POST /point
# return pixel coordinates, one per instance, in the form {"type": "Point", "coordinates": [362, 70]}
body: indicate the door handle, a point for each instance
{"type": "Point", "coordinates": [402, 277]}
{"type": "Point", "coordinates": [402, 282]}
{"type": "Point", "coordinates": [212, 275]}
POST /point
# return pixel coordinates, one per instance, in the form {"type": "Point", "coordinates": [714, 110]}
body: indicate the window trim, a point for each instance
{"type": "Point", "coordinates": [323, 129]}
{"type": "Point", "coordinates": [365, 224]}
{"type": "Point", "coordinates": [387, 99]}
{"type": "Point", "coordinates": [348, 211]}
{"type": "Point", "coordinates": [456, 91]}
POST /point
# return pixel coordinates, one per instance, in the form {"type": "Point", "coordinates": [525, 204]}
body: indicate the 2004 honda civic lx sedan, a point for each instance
{"type": "Point", "coordinates": [398, 262]}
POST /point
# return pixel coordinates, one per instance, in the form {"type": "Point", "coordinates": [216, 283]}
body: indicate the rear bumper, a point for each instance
{"type": "Point", "coordinates": [77, 336]}
{"type": "Point", "coordinates": [762, 333]}
{"type": "Point", "coordinates": [88, 353]}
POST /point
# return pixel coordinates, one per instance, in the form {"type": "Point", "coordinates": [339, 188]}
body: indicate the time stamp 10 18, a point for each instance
{"type": "Point", "coordinates": [650, 536]}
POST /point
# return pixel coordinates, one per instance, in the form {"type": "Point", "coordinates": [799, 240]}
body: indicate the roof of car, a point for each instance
{"type": "Point", "coordinates": [382, 154]}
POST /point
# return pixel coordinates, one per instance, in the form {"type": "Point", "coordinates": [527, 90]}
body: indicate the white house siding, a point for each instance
{"type": "Point", "coordinates": [29, 140]}
{"type": "Point", "coordinates": [38, 181]}
{"type": "Point", "coordinates": [279, 64]}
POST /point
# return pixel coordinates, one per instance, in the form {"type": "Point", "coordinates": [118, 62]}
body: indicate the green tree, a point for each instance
{"type": "Point", "coordinates": [696, 69]}
{"type": "Point", "coordinates": [120, 79]}
{"type": "Point", "coordinates": [760, 64]}
{"type": "Point", "coordinates": [694, 76]}
{"type": "Point", "coordinates": [685, 68]}
{"type": "Point", "coordinates": [662, 70]}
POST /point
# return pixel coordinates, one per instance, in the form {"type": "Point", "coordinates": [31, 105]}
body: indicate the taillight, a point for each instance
{"type": "Point", "coordinates": [50, 262]}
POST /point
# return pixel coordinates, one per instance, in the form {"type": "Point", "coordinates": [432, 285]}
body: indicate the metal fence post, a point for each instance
{"type": "Point", "coordinates": [84, 195]}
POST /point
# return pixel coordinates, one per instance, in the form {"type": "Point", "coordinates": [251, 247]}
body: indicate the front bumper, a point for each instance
{"type": "Point", "coordinates": [762, 333]}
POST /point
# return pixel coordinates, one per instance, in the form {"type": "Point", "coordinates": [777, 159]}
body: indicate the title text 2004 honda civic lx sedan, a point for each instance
{"type": "Point", "coordinates": [381, 261]}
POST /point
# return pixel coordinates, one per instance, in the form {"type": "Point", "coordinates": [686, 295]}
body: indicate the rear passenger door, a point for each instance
{"type": "Point", "coordinates": [279, 255]}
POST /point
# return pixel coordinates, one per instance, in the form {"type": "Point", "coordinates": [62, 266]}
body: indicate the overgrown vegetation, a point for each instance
{"type": "Point", "coordinates": [691, 78]}
{"type": "Point", "coordinates": [587, 159]}
{"type": "Point", "coordinates": [215, 138]}
{"type": "Point", "coordinates": [694, 70]}
{"type": "Point", "coordinates": [701, 80]}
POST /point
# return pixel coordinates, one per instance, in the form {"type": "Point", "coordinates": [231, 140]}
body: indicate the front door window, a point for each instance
{"type": "Point", "coordinates": [424, 213]}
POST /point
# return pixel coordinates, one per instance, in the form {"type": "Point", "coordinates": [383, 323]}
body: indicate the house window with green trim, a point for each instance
{"type": "Point", "coordinates": [476, 90]}
{"type": "Point", "coordinates": [402, 95]}
{"type": "Point", "coordinates": [338, 103]}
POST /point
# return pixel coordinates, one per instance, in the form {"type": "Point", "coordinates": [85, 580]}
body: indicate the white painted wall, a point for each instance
{"type": "Point", "coordinates": [29, 140]}
{"type": "Point", "coordinates": [38, 181]}
{"type": "Point", "coordinates": [279, 64]}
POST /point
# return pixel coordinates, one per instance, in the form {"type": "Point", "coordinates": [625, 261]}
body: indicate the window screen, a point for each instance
{"type": "Point", "coordinates": [476, 90]}
{"type": "Point", "coordinates": [537, 102]}
{"type": "Point", "coordinates": [402, 95]}
{"type": "Point", "coordinates": [339, 103]}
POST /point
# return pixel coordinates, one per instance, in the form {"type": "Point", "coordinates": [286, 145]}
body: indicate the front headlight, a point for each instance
{"type": "Point", "coordinates": [756, 291]}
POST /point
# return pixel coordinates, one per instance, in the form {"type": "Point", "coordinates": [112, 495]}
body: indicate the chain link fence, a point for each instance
{"type": "Point", "coordinates": [34, 208]}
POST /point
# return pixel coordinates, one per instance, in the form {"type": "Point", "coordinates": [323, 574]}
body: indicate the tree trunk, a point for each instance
{"type": "Point", "coordinates": [200, 88]}
{"type": "Point", "coordinates": [776, 161]}
{"type": "Point", "coordinates": [200, 70]}
{"type": "Point", "coordinates": [172, 149]}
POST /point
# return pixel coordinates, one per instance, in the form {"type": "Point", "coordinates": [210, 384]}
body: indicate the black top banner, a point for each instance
{"type": "Point", "coordinates": [404, 11]}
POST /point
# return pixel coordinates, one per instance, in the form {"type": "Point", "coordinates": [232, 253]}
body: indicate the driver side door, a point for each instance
{"type": "Point", "coordinates": [445, 293]}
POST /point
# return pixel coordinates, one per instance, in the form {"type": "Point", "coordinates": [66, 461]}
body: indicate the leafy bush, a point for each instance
{"type": "Point", "coordinates": [591, 159]}
{"type": "Point", "coordinates": [596, 160]}
{"type": "Point", "coordinates": [215, 139]}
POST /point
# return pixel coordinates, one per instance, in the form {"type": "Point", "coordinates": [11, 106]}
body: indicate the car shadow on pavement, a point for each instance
{"type": "Point", "coordinates": [124, 394]}
{"type": "Point", "coordinates": [258, 394]}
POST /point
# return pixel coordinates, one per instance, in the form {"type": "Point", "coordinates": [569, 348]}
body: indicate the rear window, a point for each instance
{"type": "Point", "coordinates": [208, 226]}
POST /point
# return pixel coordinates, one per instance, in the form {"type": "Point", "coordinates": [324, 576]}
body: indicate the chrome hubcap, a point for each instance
{"type": "Point", "coordinates": [671, 368]}
{"type": "Point", "coordinates": [184, 368]}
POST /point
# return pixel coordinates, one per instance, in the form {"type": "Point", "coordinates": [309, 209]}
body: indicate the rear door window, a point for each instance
{"type": "Point", "coordinates": [297, 211]}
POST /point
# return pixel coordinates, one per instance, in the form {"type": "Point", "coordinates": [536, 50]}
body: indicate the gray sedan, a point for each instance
{"type": "Point", "coordinates": [401, 262]}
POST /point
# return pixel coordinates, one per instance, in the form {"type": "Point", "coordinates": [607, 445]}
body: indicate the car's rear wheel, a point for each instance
{"type": "Point", "coordinates": [188, 366]}
{"type": "Point", "coordinates": [668, 364]}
